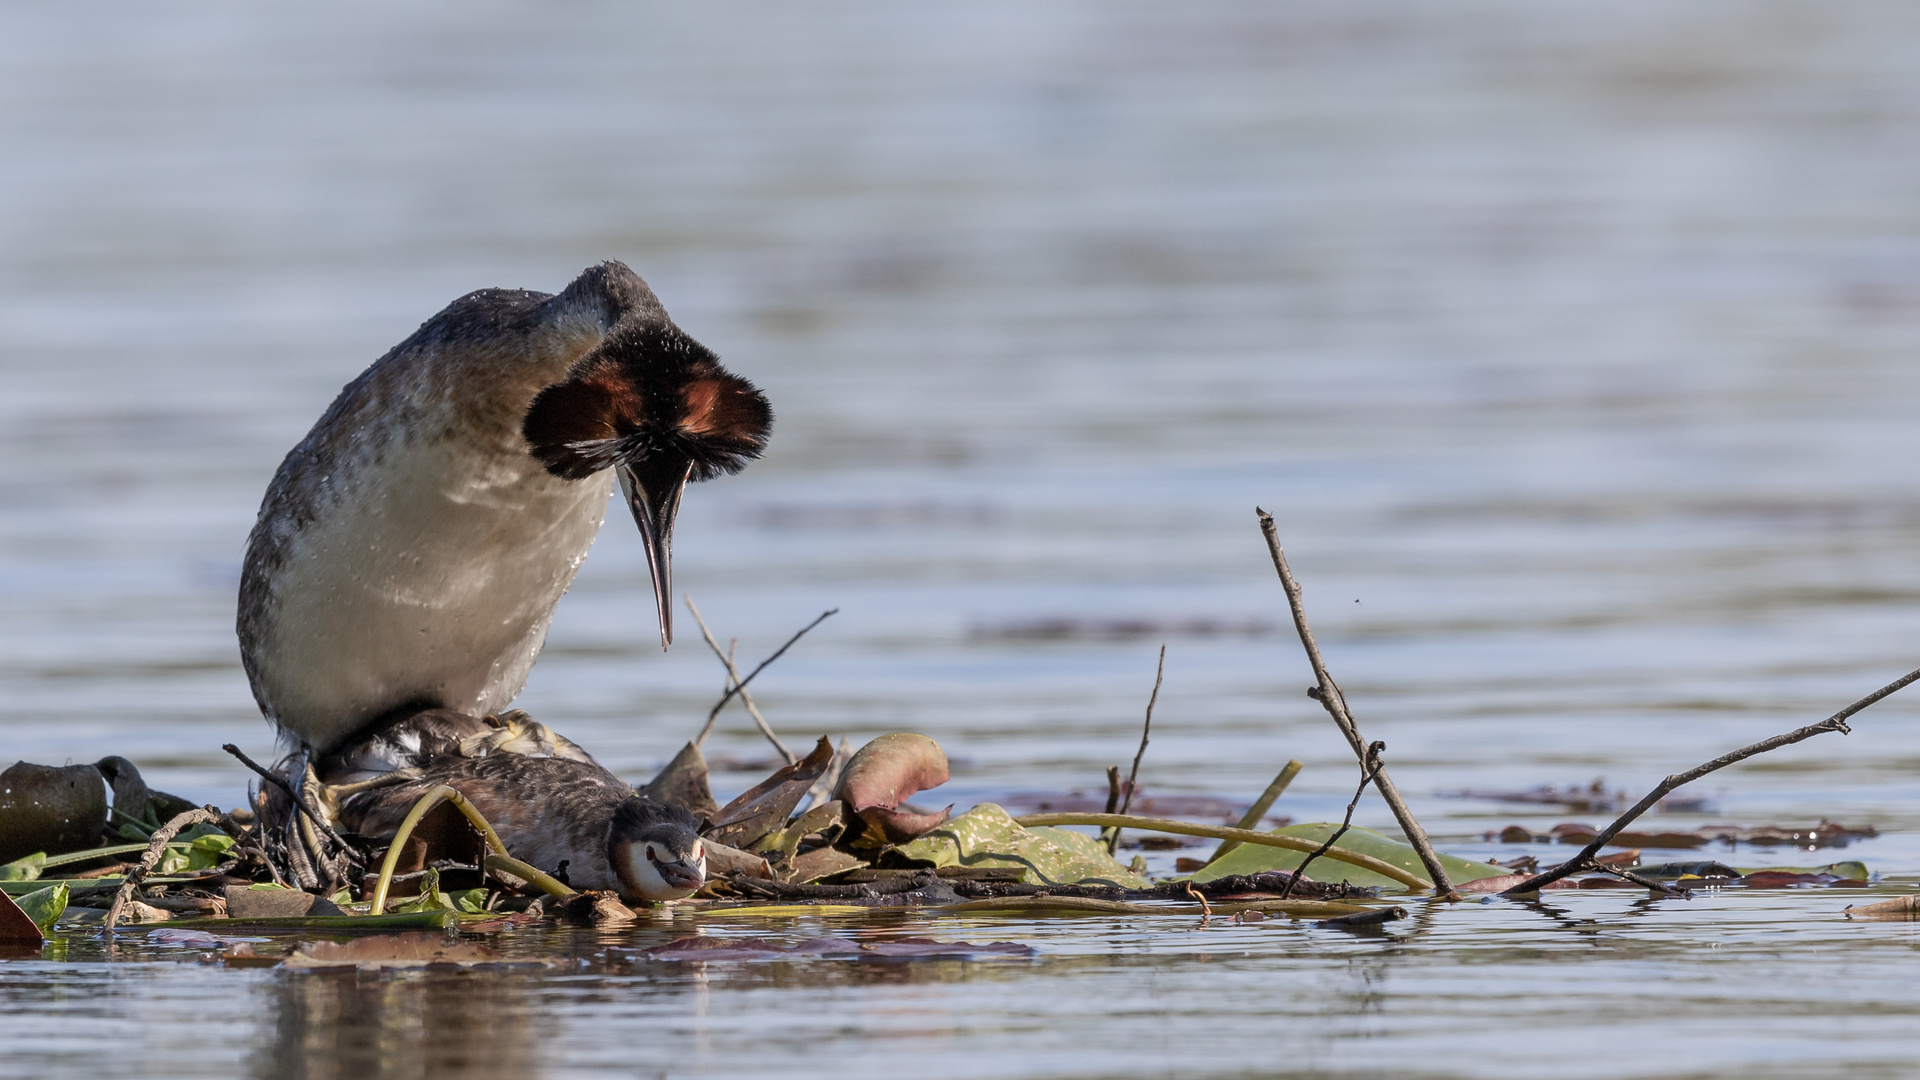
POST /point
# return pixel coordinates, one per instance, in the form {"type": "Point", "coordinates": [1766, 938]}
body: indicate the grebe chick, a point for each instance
{"type": "Point", "coordinates": [546, 809]}
{"type": "Point", "coordinates": [410, 550]}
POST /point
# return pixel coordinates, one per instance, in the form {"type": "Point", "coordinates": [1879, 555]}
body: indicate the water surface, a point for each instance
{"type": "Point", "coordinates": [1572, 348]}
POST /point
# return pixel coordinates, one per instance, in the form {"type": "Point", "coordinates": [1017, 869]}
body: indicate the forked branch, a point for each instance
{"type": "Point", "coordinates": [1327, 693]}
{"type": "Point", "coordinates": [1836, 722]}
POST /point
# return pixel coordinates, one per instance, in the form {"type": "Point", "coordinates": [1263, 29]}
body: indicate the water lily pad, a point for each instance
{"type": "Point", "coordinates": [27, 869]}
{"type": "Point", "coordinates": [1250, 859]}
{"type": "Point", "coordinates": [43, 906]}
{"type": "Point", "coordinates": [987, 836]}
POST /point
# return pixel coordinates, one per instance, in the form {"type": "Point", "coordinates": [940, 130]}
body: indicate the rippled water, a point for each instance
{"type": "Point", "coordinates": [1571, 345]}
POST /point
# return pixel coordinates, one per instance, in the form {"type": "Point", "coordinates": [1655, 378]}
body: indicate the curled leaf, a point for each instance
{"type": "Point", "coordinates": [764, 807]}
{"type": "Point", "coordinates": [890, 769]}
{"type": "Point", "coordinates": [888, 825]}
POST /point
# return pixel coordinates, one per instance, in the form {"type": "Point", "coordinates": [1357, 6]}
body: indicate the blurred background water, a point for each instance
{"type": "Point", "coordinates": [1570, 345]}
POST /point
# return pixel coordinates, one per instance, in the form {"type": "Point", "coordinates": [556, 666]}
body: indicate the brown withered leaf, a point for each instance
{"type": "Point", "coordinates": [684, 783]}
{"type": "Point", "coordinates": [810, 866]}
{"type": "Point", "coordinates": [765, 807]}
{"type": "Point", "coordinates": [16, 927]}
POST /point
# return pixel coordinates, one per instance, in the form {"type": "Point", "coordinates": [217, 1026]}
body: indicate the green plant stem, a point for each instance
{"type": "Point", "coordinates": [1221, 832]}
{"type": "Point", "coordinates": [1260, 807]}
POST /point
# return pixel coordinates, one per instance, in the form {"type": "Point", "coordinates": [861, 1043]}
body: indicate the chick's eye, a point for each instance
{"type": "Point", "coordinates": [651, 857]}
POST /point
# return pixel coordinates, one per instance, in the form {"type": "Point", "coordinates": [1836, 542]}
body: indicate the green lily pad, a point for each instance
{"type": "Point", "coordinates": [1253, 859]}
{"type": "Point", "coordinates": [987, 836]}
{"type": "Point", "coordinates": [43, 906]}
{"type": "Point", "coordinates": [27, 869]}
{"type": "Point", "coordinates": [1852, 868]}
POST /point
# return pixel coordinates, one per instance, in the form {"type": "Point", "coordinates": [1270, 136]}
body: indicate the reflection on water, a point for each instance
{"type": "Point", "coordinates": [1721, 985]}
{"type": "Point", "coordinates": [342, 1026]}
{"type": "Point", "coordinates": [1572, 346]}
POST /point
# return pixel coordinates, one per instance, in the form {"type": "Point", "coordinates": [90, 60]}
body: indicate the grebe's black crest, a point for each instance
{"type": "Point", "coordinates": [655, 406]}
{"type": "Point", "coordinates": [639, 817]}
{"type": "Point", "coordinates": [649, 393]}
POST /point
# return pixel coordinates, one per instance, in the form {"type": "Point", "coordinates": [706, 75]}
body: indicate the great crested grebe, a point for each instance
{"type": "Point", "coordinates": [551, 803]}
{"type": "Point", "coordinates": [410, 550]}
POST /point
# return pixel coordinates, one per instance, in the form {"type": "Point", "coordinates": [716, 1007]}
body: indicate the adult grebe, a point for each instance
{"type": "Point", "coordinates": [410, 550]}
{"type": "Point", "coordinates": [551, 803]}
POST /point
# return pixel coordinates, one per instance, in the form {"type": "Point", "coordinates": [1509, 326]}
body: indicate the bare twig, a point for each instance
{"type": "Point", "coordinates": [1641, 880]}
{"type": "Point", "coordinates": [1260, 807]}
{"type": "Point", "coordinates": [737, 688]}
{"type": "Point", "coordinates": [1111, 837]}
{"type": "Point", "coordinates": [1328, 695]}
{"type": "Point", "coordinates": [739, 685]}
{"type": "Point", "coordinates": [1369, 769]}
{"type": "Point", "coordinates": [280, 782]}
{"type": "Point", "coordinates": [1133, 777]}
{"type": "Point", "coordinates": [1836, 722]}
{"type": "Point", "coordinates": [155, 846]}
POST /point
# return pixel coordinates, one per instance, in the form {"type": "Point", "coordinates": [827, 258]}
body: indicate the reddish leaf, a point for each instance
{"type": "Point", "coordinates": [901, 826]}
{"type": "Point", "coordinates": [890, 769]}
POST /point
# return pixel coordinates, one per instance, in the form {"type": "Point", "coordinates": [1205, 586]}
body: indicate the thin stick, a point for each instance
{"type": "Point", "coordinates": [279, 782]}
{"type": "Point", "coordinates": [1836, 722]}
{"type": "Point", "coordinates": [740, 685]}
{"type": "Point", "coordinates": [1146, 729]}
{"type": "Point", "coordinates": [1111, 837]}
{"type": "Point", "coordinates": [155, 845]}
{"type": "Point", "coordinates": [1221, 832]}
{"type": "Point", "coordinates": [1260, 807]}
{"type": "Point", "coordinates": [1641, 880]}
{"type": "Point", "coordinates": [736, 688]}
{"type": "Point", "coordinates": [1328, 695]}
{"type": "Point", "coordinates": [1133, 776]}
{"type": "Point", "coordinates": [1369, 769]}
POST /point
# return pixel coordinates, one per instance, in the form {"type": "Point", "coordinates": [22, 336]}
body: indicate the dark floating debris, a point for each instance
{"type": "Point", "coordinates": [1592, 799]}
{"type": "Point", "coordinates": [1824, 835]}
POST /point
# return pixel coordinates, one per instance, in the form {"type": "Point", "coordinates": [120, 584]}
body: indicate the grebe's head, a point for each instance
{"type": "Point", "coordinates": [655, 851]}
{"type": "Point", "coordinates": [655, 406]}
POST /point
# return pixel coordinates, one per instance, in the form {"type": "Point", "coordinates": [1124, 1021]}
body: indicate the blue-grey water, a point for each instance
{"type": "Point", "coordinates": [1572, 347]}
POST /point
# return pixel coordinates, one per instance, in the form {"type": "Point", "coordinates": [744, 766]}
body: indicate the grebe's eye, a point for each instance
{"type": "Point", "coordinates": [651, 857]}
{"type": "Point", "coordinates": [699, 851]}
